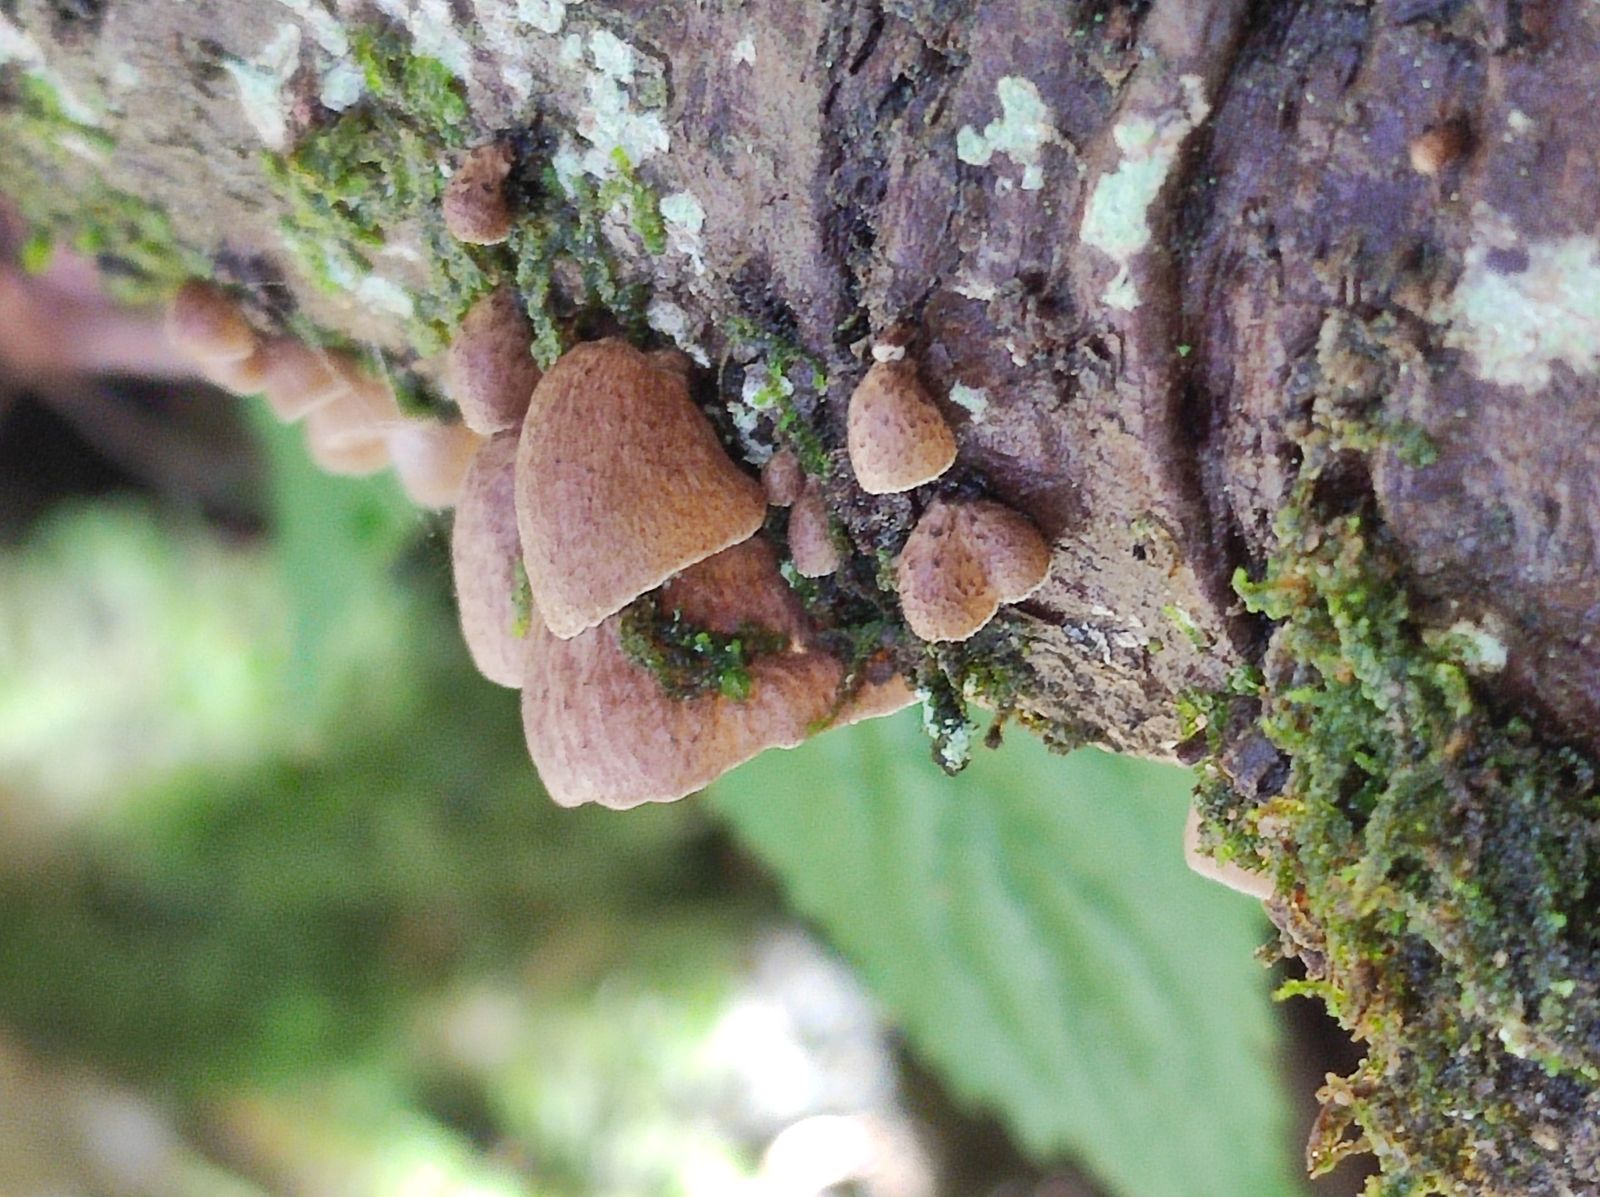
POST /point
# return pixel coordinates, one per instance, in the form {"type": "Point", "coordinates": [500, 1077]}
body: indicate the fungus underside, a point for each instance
{"type": "Point", "coordinates": [1434, 856]}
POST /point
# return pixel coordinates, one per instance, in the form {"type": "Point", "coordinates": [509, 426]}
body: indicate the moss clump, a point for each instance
{"type": "Point", "coordinates": [688, 661]}
{"type": "Point", "coordinates": [378, 168]}
{"type": "Point", "coordinates": [1436, 861]}
{"type": "Point", "coordinates": [773, 400]}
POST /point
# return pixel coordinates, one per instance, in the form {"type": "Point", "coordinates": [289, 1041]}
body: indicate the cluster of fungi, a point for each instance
{"type": "Point", "coordinates": [599, 483]}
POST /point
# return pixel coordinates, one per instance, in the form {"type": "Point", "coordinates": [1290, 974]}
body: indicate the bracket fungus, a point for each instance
{"type": "Point", "coordinates": [475, 206]}
{"type": "Point", "coordinates": [601, 728]}
{"type": "Point", "coordinates": [896, 435]}
{"type": "Point", "coordinates": [485, 555]}
{"type": "Point", "coordinates": [489, 367]}
{"type": "Point", "coordinates": [621, 483]}
{"type": "Point", "coordinates": [962, 561]}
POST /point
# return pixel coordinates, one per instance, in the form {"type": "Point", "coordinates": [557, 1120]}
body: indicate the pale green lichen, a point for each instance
{"type": "Point", "coordinates": [1116, 220]}
{"type": "Point", "coordinates": [974, 400]}
{"type": "Point", "coordinates": [263, 84]}
{"type": "Point", "coordinates": [1517, 322]}
{"type": "Point", "coordinates": [1021, 132]}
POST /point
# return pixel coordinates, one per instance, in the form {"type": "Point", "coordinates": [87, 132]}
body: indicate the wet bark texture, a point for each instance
{"type": "Point", "coordinates": [1128, 244]}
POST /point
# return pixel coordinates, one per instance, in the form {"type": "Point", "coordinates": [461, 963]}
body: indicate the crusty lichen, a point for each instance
{"type": "Point", "coordinates": [1435, 861]}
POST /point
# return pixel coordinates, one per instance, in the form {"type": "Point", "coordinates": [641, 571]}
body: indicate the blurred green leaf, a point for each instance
{"type": "Point", "coordinates": [1032, 926]}
{"type": "Point", "coordinates": [339, 544]}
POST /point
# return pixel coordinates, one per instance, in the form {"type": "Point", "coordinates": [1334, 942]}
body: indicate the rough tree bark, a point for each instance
{"type": "Point", "coordinates": [1153, 257]}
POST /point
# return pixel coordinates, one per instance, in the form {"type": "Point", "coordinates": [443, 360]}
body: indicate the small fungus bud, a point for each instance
{"type": "Point", "coordinates": [489, 370]}
{"type": "Point", "coordinates": [783, 478]}
{"type": "Point", "coordinates": [1434, 150]}
{"type": "Point", "coordinates": [431, 460]}
{"type": "Point", "coordinates": [475, 206]}
{"type": "Point", "coordinates": [486, 559]}
{"type": "Point", "coordinates": [810, 537]}
{"type": "Point", "coordinates": [962, 561]}
{"type": "Point", "coordinates": [355, 458]}
{"type": "Point", "coordinates": [621, 483]}
{"type": "Point", "coordinates": [348, 434]}
{"type": "Point", "coordinates": [896, 436]}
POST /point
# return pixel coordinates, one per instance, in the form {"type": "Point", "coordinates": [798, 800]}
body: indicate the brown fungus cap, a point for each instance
{"type": "Point", "coordinates": [489, 369]}
{"type": "Point", "coordinates": [484, 555]}
{"type": "Point", "coordinates": [810, 538]}
{"type": "Point", "coordinates": [475, 206]}
{"type": "Point", "coordinates": [349, 434]}
{"type": "Point", "coordinates": [962, 561]}
{"type": "Point", "coordinates": [431, 460]}
{"type": "Point", "coordinates": [601, 729]}
{"type": "Point", "coordinates": [296, 378]}
{"type": "Point", "coordinates": [207, 327]}
{"type": "Point", "coordinates": [621, 483]}
{"type": "Point", "coordinates": [783, 478]}
{"type": "Point", "coordinates": [896, 435]}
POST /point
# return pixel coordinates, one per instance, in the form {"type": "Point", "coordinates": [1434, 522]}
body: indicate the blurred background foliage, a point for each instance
{"type": "Point", "coordinates": [282, 910]}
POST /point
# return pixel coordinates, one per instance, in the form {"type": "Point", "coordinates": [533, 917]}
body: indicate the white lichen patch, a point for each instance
{"type": "Point", "coordinates": [685, 218]}
{"type": "Point", "coordinates": [616, 129]}
{"type": "Point", "coordinates": [1516, 324]}
{"type": "Point", "coordinates": [764, 388]}
{"type": "Point", "coordinates": [18, 46]}
{"type": "Point", "coordinates": [385, 295]}
{"type": "Point", "coordinates": [1473, 644]}
{"type": "Point", "coordinates": [547, 16]}
{"type": "Point", "coordinates": [611, 55]}
{"type": "Point", "coordinates": [744, 51]}
{"type": "Point", "coordinates": [955, 746]}
{"type": "Point", "coordinates": [670, 320]}
{"type": "Point", "coordinates": [432, 26]}
{"type": "Point", "coordinates": [324, 27]}
{"type": "Point", "coordinates": [1116, 220]}
{"type": "Point", "coordinates": [373, 290]}
{"type": "Point", "coordinates": [263, 82]}
{"type": "Point", "coordinates": [342, 82]}
{"type": "Point", "coordinates": [1021, 131]}
{"type": "Point", "coordinates": [975, 400]}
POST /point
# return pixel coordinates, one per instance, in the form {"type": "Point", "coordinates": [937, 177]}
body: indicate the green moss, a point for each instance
{"type": "Point", "coordinates": [1439, 860]}
{"type": "Point", "coordinates": [377, 170]}
{"type": "Point", "coordinates": [775, 397]}
{"type": "Point", "coordinates": [688, 661]}
{"type": "Point", "coordinates": [990, 668]}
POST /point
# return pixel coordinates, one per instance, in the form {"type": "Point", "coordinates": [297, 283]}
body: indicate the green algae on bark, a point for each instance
{"type": "Point", "coordinates": [1435, 859]}
{"type": "Point", "coordinates": [140, 255]}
